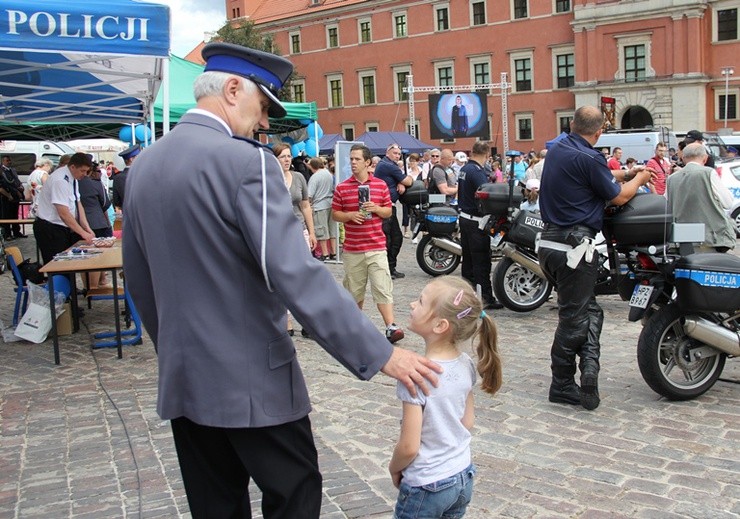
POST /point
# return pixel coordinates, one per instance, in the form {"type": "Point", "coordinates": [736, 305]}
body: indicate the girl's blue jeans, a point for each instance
{"type": "Point", "coordinates": [447, 498]}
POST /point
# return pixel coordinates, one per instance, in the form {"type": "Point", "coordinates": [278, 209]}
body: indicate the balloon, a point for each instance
{"type": "Point", "coordinates": [124, 134]}
{"type": "Point", "coordinates": [288, 140]}
{"type": "Point", "coordinates": [143, 133]}
{"type": "Point", "coordinates": [305, 122]}
{"type": "Point", "coordinates": [312, 148]}
{"type": "Point", "coordinates": [313, 128]}
{"type": "Point", "coordinates": [297, 148]}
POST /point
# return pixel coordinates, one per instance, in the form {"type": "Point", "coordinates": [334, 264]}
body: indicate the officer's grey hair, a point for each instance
{"type": "Point", "coordinates": [212, 84]}
{"type": "Point", "coordinates": [694, 151]}
{"type": "Point", "coordinates": [43, 162]}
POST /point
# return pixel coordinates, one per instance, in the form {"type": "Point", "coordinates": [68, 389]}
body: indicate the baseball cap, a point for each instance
{"type": "Point", "coordinates": [461, 157]}
{"type": "Point", "coordinates": [695, 135]}
{"type": "Point", "coordinates": [532, 184]}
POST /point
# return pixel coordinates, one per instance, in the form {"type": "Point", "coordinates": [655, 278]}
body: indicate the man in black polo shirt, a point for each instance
{"type": "Point", "coordinates": [388, 171]}
{"type": "Point", "coordinates": [476, 243]}
{"type": "Point", "coordinates": [576, 185]}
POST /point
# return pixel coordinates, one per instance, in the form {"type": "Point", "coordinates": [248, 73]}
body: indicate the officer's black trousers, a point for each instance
{"type": "Point", "coordinates": [476, 258]}
{"type": "Point", "coordinates": [393, 238]}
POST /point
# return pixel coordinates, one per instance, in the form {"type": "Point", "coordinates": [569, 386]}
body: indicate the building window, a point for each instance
{"type": "Point", "coordinates": [372, 127]}
{"type": "Point", "coordinates": [562, 6]}
{"type": "Point", "coordinates": [566, 69]}
{"type": "Point", "coordinates": [727, 25]}
{"type": "Point", "coordinates": [332, 36]}
{"type": "Point", "coordinates": [445, 76]}
{"type": "Point", "coordinates": [401, 83]}
{"type": "Point", "coordinates": [348, 130]}
{"type": "Point", "coordinates": [634, 63]}
{"type": "Point", "coordinates": [399, 25]}
{"type": "Point", "coordinates": [367, 88]}
{"type": "Point", "coordinates": [416, 128]}
{"type": "Point", "coordinates": [295, 43]}
{"type": "Point", "coordinates": [731, 102]}
{"type": "Point", "coordinates": [564, 123]}
{"type": "Point", "coordinates": [298, 91]}
{"type": "Point", "coordinates": [523, 74]}
{"type": "Point", "coordinates": [478, 11]}
{"type": "Point", "coordinates": [524, 127]}
{"type": "Point", "coordinates": [520, 9]}
{"type": "Point", "coordinates": [481, 75]}
{"type": "Point", "coordinates": [366, 35]}
{"type": "Point", "coordinates": [336, 98]}
{"type": "Point", "coordinates": [442, 18]}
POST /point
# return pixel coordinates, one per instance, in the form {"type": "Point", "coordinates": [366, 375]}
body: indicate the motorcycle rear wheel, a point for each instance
{"type": "Point", "coordinates": [434, 260]}
{"type": "Point", "coordinates": [663, 357]}
{"type": "Point", "coordinates": [518, 288]}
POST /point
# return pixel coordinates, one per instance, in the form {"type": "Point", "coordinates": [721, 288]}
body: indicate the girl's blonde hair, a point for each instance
{"type": "Point", "coordinates": [456, 302]}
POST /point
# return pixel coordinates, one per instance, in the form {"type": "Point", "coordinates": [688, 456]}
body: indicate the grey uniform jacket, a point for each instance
{"type": "Point", "coordinates": [195, 243]}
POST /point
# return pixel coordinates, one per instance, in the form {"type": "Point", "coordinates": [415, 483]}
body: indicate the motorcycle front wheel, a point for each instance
{"type": "Point", "coordinates": [434, 260]}
{"type": "Point", "coordinates": [665, 360]}
{"type": "Point", "coordinates": [518, 288]}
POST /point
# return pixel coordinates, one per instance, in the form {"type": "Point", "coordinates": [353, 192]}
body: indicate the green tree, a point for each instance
{"type": "Point", "coordinates": [247, 35]}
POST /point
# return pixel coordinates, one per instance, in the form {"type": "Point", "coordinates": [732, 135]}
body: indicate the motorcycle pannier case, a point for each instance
{"type": "Point", "coordinates": [708, 282]}
{"type": "Point", "coordinates": [642, 221]}
{"type": "Point", "coordinates": [493, 199]}
{"type": "Point", "coordinates": [441, 220]}
{"type": "Point", "coordinates": [415, 194]}
{"type": "Point", "coordinates": [524, 229]}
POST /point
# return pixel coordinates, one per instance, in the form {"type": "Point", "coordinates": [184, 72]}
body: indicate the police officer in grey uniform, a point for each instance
{"type": "Point", "coordinates": [213, 256]}
{"type": "Point", "coordinates": [119, 180]}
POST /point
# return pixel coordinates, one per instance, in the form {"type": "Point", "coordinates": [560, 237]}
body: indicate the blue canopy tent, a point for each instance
{"type": "Point", "coordinates": [378, 142]}
{"type": "Point", "coordinates": [327, 143]}
{"type": "Point", "coordinates": [93, 64]}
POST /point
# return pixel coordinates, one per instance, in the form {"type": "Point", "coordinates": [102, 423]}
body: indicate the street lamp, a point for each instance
{"type": "Point", "coordinates": [727, 72]}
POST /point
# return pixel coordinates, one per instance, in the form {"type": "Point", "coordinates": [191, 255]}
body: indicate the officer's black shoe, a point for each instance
{"type": "Point", "coordinates": [21, 235]}
{"type": "Point", "coordinates": [565, 393]}
{"type": "Point", "coordinates": [590, 391]}
{"type": "Point", "coordinates": [397, 275]}
{"type": "Point", "coordinates": [494, 305]}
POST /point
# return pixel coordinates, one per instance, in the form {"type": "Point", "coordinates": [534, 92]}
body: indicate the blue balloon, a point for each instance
{"type": "Point", "coordinates": [143, 133]}
{"type": "Point", "coordinates": [305, 122]}
{"type": "Point", "coordinates": [288, 140]}
{"type": "Point", "coordinates": [297, 148]}
{"type": "Point", "coordinates": [313, 128]}
{"type": "Point", "coordinates": [124, 134]}
{"type": "Point", "coordinates": [312, 148]}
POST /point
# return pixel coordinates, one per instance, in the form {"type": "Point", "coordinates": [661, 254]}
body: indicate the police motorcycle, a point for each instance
{"type": "Point", "coordinates": [689, 303]}
{"type": "Point", "coordinates": [439, 251]}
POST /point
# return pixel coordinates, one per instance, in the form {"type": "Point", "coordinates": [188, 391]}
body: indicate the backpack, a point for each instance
{"type": "Point", "coordinates": [433, 187]}
{"type": "Point", "coordinates": [30, 272]}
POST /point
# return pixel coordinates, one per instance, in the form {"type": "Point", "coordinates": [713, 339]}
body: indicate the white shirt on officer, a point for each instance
{"type": "Point", "coordinates": [60, 188]}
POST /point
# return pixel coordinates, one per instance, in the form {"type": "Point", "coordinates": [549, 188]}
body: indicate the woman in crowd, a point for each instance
{"type": "Point", "coordinates": [298, 188]}
{"type": "Point", "coordinates": [95, 201]}
{"type": "Point", "coordinates": [36, 181]}
{"type": "Point", "coordinates": [416, 173]}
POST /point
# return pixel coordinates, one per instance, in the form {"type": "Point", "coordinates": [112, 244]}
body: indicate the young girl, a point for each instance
{"type": "Point", "coordinates": [431, 464]}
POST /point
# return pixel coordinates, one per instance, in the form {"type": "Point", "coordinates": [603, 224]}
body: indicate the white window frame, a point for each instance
{"type": "Point", "coordinates": [521, 54]}
{"type": "Point", "coordinates": [346, 127]}
{"type": "Point", "coordinates": [627, 40]}
{"type": "Point", "coordinates": [359, 30]}
{"type": "Point", "coordinates": [328, 39]}
{"type": "Point", "coordinates": [363, 74]}
{"type": "Point", "coordinates": [290, 40]}
{"type": "Point", "coordinates": [480, 60]}
{"type": "Point", "coordinates": [561, 114]}
{"type": "Point", "coordinates": [485, 13]}
{"type": "Point", "coordinates": [520, 117]}
{"type": "Point", "coordinates": [408, 126]}
{"type": "Point", "coordinates": [529, 12]}
{"type": "Point", "coordinates": [555, 7]}
{"type": "Point", "coordinates": [440, 65]}
{"type": "Point", "coordinates": [394, 15]}
{"type": "Point", "coordinates": [372, 124]}
{"type": "Point", "coordinates": [301, 82]}
{"type": "Point", "coordinates": [439, 7]}
{"type": "Point", "coordinates": [723, 6]}
{"type": "Point", "coordinates": [397, 93]}
{"type": "Point", "coordinates": [561, 51]}
{"type": "Point", "coordinates": [329, 79]}
{"type": "Point", "coordinates": [720, 92]}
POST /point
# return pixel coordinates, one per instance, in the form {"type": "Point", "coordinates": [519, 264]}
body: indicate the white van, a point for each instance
{"type": "Point", "coordinates": [639, 145]}
{"type": "Point", "coordinates": [24, 154]}
{"type": "Point", "coordinates": [731, 140]}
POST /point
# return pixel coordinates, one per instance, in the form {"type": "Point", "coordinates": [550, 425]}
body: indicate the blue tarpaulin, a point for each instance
{"type": "Point", "coordinates": [378, 142]}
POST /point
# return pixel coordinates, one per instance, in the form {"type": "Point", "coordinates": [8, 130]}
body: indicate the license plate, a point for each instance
{"type": "Point", "coordinates": [641, 296]}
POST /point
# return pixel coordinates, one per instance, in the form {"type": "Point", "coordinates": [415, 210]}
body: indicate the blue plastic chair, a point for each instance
{"type": "Point", "coordinates": [133, 336]}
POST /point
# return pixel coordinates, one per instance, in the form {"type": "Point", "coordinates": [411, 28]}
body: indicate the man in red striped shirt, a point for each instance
{"type": "Point", "coordinates": [364, 254]}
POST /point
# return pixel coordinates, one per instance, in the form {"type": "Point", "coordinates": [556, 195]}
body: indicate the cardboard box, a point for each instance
{"type": "Point", "coordinates": [64, 321]}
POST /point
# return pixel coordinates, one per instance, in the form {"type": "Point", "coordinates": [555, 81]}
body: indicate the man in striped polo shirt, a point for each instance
{"type": "Point", "coordinates": [364, 252]}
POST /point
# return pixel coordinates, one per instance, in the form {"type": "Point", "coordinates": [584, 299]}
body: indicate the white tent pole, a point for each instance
{"type": "Point", "coordinates": [133, 134]}
{"type": "Point", "coordinates": [152, 126]}
{"type": "Point", "coordinates": [166, 96]}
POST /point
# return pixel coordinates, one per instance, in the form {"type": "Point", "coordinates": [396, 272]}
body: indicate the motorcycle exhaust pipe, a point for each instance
{"type": "Point", "coordinates": [510, 252]}
{"type": "Point", "coordinates": [448, 245]}
{"type": "Point", "coordinates": [712, 334]}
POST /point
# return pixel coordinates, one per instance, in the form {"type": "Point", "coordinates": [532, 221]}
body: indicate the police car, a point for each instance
{"type": "Point", "coordinates": [729, 172]}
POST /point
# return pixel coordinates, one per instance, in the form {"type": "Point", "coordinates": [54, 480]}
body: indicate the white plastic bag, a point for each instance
{"type": "Point", "coordinates": [35, 324]}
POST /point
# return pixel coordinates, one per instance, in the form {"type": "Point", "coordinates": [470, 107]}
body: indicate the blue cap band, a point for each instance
{"type": "Point", "coordinates": [241, 67]}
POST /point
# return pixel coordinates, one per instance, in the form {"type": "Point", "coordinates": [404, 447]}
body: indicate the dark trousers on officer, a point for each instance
{"type": "Point", "coordinates": [580, 317]}
{"type": "Point", "coordinates": [217, 464]}
{"type": "Point", "coordinates": [476, 258]}
{"type": "Point", "coordinates": [52, 238]}
{"type": "Point", "coordinates": [393, 238]}
{"type": "Point", "coordinates": [9, 211]}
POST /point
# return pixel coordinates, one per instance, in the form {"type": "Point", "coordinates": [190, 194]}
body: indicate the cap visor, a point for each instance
{"type": "Point", "coordinates": [276, 108]}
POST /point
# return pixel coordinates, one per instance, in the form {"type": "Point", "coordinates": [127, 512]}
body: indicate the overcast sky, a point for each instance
{"type": "Point", "coordinates": [190, 19]}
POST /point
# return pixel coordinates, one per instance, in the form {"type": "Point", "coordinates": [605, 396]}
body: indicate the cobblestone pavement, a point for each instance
{"type": "Point", "coordinates": [83, 439]}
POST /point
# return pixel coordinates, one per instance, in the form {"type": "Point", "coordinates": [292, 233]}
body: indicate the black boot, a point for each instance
{"type": "Point", "coordinates": [590, 388]}
{"type": "Point", "coordinates": [565, 391]}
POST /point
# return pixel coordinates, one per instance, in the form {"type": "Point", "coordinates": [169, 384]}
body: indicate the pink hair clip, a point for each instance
{"type": "Point", "coordinates": [464, 312]}
{"type": "Point", "coordinates": [458, 298]}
